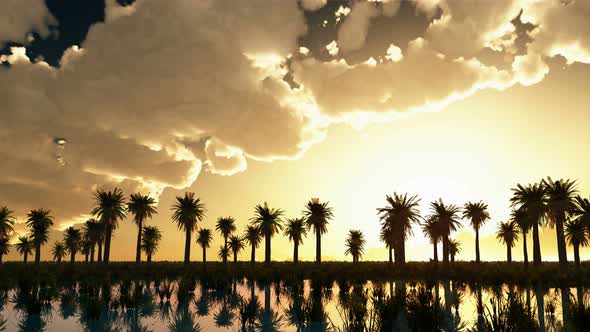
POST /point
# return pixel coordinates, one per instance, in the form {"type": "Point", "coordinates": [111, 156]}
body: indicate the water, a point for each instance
{"type": "Point", "coordinates": [179, 305]}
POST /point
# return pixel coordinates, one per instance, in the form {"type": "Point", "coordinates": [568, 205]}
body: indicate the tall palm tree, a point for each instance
{"type": "Point", "coordinates": [187, 212]}
{"type": "Point", "coordinates": [576, 234]}
{"type": "Point", "coordinates": [59, 251]}
{"type": "Point", "coordinates": [454, 249]}
{"type": "Point", "coordinates": [223, 254]}
{"type": "Point", "coordinates": [150, 241]}
{"type": "Point", "coordinates": [397, 219]}
{"type": "Point", "coordinates": [225, 226]}
{"type": "Point", "coordinates": [521, 218]}
{"type": "Point", "coordinates": [355, 245]}
{"type": "Point", "coordinates": [447, 216]}
{"type": "Point", "coordinates": [109, 209]}
{"type": "Point", "coordinates": [39, 221]}
{"type": "Point", "coordinates": [560, 197]}
{"type": "Point", "coordinates": [254, 237]}
{"type": "Point", "coordinates": [268, 220]}
{"type": "Point", "coordinates": [85, 247]}
{"type": "Point", "coordinates": [92, 230]}
{"type": "Point", "coordinates": [478, 214]}
{"type": "Point", "coordinates": [73, 241]}
{"type": "Point", "coordinates": [204, 239]}
{"type": "Point", "coordinates": [431, 229]}
{"type": "Point", "coordinates": [236, 244]}
{"type": "Point", "coordinates": [4, 247]}
{"type": "Point", "coordinates": [317, 216]}
{"type": "Point", "coordinates": [25, 246]}
{"type": "Point", "coordinates": [582, 210]}
{"type": "Point", "coordinates": [7, 221]}
{"type": "Point", "coordinates": [295, 230]}
{"type": "Point", "coordinates": [508, 234]}
{"type": "Point", "coordinates": [532, 199]}
{"type": "Point", "coordinates": [142, 207]}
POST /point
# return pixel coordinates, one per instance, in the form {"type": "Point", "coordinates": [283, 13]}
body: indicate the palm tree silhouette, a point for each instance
{"type": "Point", "coordinates": [72, 240]}
{"type": "Point", "coordinates": [225, 226]}
{"type": "Point", "coordinates": [7, 221]}
{"type": "Point", "coordinates": [521, 218]}
{"type": "Point", "coordinates": [93, 232]}
{"type": "Point", "coordinates": [396, 221]}
{"type": "Point", "coordinates": [295, 230]}
{"type": "Point", "coordinates": [317, 216]}
{"type": "Point", "coordinates": [355, 245]}
{"type": "Point", "coordinates": [431, 229]}
{"type": "Point", "coordinates": [223, 254]}
{"type": "Point", "coordinates": [109, 209]}
{"type": "Point", "coordinates": [187, 212]}
{"type": "Point", "coordinates": [254, 237]}
{"type": "Point", "coordinates": [582, 210]}
{"type": "Point", "coordinates": [85, 247]}
{"type": "Point", "coordinates": [204, 239]}
{"type": "Point", "coordinates": [268, 220]}
{"type": "Point", "coordinates": [478, 214]}
{"type": "Point", "coordinates": [4, 247]}
{"type": "Point", "coordinates": [142, 207]}
{"type": "Point", "coordinates": [447, 216]}
{"type": "Point", "coordinates": [150, 241]}
{"type": "Point", "coordinates": [386, 236]}
{"type": "Point", "coordinates": [532, 199]}
{"type": "Point", "coordinates": [560, 196]}
{"type": "Point", "coordinates": [24, 246]}
{"type": "Point", "coordinates": [39, 220]}
{"type": "Point", "coordinates": [59, 251]}
{"type": "Point", "coordinates": [508, 234]}
{"type": "Point", "coordinates": [575, 234]}
{"type": "Point", "coordinates": [236, 245]}
{"type": "Point", "coordinates": [454, 249]}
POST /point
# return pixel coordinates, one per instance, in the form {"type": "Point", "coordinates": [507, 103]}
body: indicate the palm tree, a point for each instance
{"type": "Point", "coordinates": [187, 212]}
{"type": "Point", "coordinates": [73, 241]}
{"type": "Point", "coordinates": [396, 221]}
{"type": "Point", "coordinates": [204, 239]}
{"type": "Point", "coordinates": [454, 249]}
{"type": "Point", "coordinates": [4, 247]}
{"type": "Point", "coordinates": [582, 210]}
{"type": "Point", "coordinates": [317, 216]}
{"type": "Point", "coordinates": [386, 236]}
{"type": "Point", "coordinates": [93, 232]}
{"type": "Point", "coordinates": [225, 226]}
{"type": "Point", "coordinates": [355, 245]}
{"type": "Point", "coordinates": [150, 241]}
{"type": "Point", "coordinates": [447, 216]}
{"type": "Point", "coordinates": [39, 220]}
{"type": "Point", "coordinates": [25, 246]}
{"type": "Point", "coordinates": [58, 251]}
{"type": "Point", "coordinates": [508, 234]}
{"type": "Point", "coordinates": [560, 197]}
{"type": "Point", "coordinates": [575, 234]}
{"type": "Point", "coordinates": [109, 209]}
{"type": "Point", "coordinates": [521, 219]}
{"type": "Point", "coordinates": [295, 230]}
{"type": "Point", "coordinates": [223, 254]}
{"type": "Point", "coordinates": [431, 229]}
{"type": "Point", "coordinates": [253, 236]}
{"type": "Point", "coordinates": [478, 214]}
{"type": "Point", "coordinates": [85, 247]}
{"type": "Point", "coordinates": [236, 245]}
{"type": "Point", "coordinates": [6, 222]}
{"type": "Point", "coordinates": [268, 220]}
{"type": "Point", "coordinates": [142, 207]}
{"type": "Point", "coordinates": [532, 199]}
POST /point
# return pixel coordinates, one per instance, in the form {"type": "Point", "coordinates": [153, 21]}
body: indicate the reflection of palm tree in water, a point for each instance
{"type": "Point", "coordinates": [268, 319]}
{"type": "Point", "coordinates": [34, 305]}
{"type": "Point", "coordinates": [539, 295]}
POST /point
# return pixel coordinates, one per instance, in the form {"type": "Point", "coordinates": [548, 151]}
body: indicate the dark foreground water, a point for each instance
{"type": "Point", "coordinates": [177, 305]}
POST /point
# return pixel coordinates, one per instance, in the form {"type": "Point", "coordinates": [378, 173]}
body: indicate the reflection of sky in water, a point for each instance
{"type": "Point", "coordinates": [151, 315]}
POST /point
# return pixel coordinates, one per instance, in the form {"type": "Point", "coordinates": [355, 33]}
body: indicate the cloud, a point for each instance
{"type": "Point", "coordinates": [18, 18]}
{"type": "Point", "coordinates": [313, 5]}
{"type": "Point", "coordinates": [353, 32]}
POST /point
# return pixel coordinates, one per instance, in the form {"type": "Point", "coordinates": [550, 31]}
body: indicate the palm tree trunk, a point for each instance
{"type": "Point", "coordinates": [445, 251]}
{"type": "Point", "coordinates": [267, 249]}
{"type": "Point", "coordinates": [452, 259]}
{"type": "Point", "coordinates": [107, 244]}
{"type": "Point", "coordinates": [296, 253]}
{"type": "Point", "coordinates": [99, 256]}
{"type": "Point", "coordinates": [477, 245]}
{"type": "Point", "coordinates": [390, 255]}
{"type": "Point", "coordinates": [561, 248]}
{"type": "Point", "coordinates": [72, 256]}
{"type": "Point", "coordinates": [435, 253]}
{"type": "Point", "coordinates": [86, 257]}
{"type": "Point", "coordinates": [536, 245]}
{"type": "Point", "coordinates": [402, 249]}
{"type": "Point", "coordinates": [58, 259]}
{"type": "Point", "coordinates": [38, 253]}
{"type": "Point", "coordinates": [138, 247]}
{"type": "Point", "coordinates": [187, 247]}
{"type": "Point", "coordinates": [509, 253]}
{"type": "Point", "coordinates": [204, 256]}
{"type": "Point", "coordinates": [92, 253]}
{"type": "Point", "coordinates": [235, 257]}
{"type": "Point", "coordinates": [577, 255]}
{"type": "Point", "coordinates": [253, 255]}
{"type": "Point", "coordinates": [25, 258]}
{"type": "Point", "coordinates": [1, 258]}
{"type": "Point", "coordinates": [318, 246]}
{"type": "Point", "coordinates": [149, 258]}
{"type": "Point", "coordinates": [525, 250]}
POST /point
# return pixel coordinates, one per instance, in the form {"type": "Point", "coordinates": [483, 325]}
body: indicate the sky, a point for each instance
{"type": "Point", "coordinates": [281, 101]}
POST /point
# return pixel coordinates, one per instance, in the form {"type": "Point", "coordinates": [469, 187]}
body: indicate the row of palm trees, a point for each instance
{"type": "Point", "coordinates": [545, 203]}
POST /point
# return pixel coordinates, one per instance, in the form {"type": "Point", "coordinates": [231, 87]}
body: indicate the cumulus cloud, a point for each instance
{"type": "Point", "coordinates": [353, 32]}
{"type": "Point", "coordinates": [19, 17]}
{"type": "Point", "coordinates": [313, 5]}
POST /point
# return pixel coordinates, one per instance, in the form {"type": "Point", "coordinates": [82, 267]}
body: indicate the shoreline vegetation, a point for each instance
{"type": "Point", "coordinates": [483, 273]}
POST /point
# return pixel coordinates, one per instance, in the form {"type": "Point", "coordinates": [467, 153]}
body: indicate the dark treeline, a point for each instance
{"type": "Point", "coordinates": [548, 203]}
